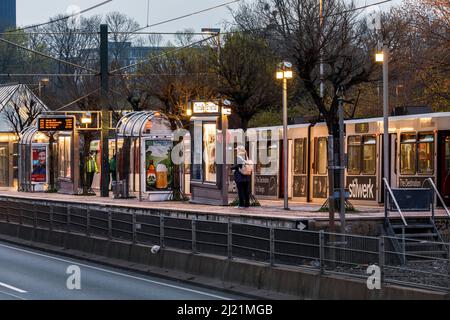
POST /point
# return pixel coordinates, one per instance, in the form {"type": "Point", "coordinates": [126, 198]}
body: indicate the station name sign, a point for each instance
{"type": "Point", "coordinates": [206, 107]}
{"type": "Point", "coordinates": [56, 124]}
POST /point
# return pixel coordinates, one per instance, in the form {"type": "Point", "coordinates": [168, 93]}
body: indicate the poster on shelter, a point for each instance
{"type": "Point", "coordinates": [159, 166]}
{"type": "Point", "coordinates": [39, 164]}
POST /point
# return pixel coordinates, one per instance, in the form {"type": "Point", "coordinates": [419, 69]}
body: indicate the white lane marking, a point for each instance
{"type": "Point", "coordinates": [118, 273]}
{"type": "Point", "coordinates": [12, 288]}
{"type": "Point", "coordinates": [12, 295]}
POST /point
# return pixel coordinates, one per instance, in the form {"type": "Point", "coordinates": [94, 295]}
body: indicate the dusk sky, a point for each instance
{"type": "Point", "coordinates": [32, 11]}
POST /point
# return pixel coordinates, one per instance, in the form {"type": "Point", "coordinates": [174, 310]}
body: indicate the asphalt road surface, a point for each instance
{"type": "Point", "coordinates": [27, 274]}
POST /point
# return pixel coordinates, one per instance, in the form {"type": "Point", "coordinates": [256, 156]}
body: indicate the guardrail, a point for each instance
{"type": "Point", "coordinates": [436, 191]}
{"type": "Point", "coordinates": [386, 202]}
{"type": "Point", "coordinates": [317, 250]}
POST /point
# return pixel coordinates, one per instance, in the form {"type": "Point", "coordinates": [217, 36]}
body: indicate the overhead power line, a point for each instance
{"type": "Point", "coordinates": [324, 17]}
{"type": "Point", "coordinates": [185, 16]}
{"type": "Point", "coordinates": [47, 56]}
{"type": "Point", "coordinates": [77, 100]}
{"type": "Point", "coordinates": [47, 75]}
{"type": "Point", "coordinates": [162, 55]}
{"type": "Point", "coordinates": [62, 18]}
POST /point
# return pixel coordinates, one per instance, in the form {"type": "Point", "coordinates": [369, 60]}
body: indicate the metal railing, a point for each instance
{"type": "Point", "coordinates": [430, 180]}
{"type": "Point", "coordinates": [386, 202]}
{"type": "Point", "coordinates": [313, 250]}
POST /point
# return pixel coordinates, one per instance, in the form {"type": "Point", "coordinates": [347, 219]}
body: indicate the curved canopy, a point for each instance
{"type": "Point", "coordinates": [27, 135]}
{"type": "Point", "coordinates": [144, 123]}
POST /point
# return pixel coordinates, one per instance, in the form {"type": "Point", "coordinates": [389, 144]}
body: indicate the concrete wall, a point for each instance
{"type": "Point", "coordinates": [300, 283]}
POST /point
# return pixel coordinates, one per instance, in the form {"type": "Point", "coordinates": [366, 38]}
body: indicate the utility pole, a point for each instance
{"type": "Point", "coordinates": [386, 110]}
{"type": "Point", "coordinates": [341, 159]}
{"type": "Point", "coordinates": [104, 78]}
{"type": "Point", "coordinates": [322, 86]}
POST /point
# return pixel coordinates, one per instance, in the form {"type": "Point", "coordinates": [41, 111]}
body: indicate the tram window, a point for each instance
{"type": "Point", "coordinates": [408, 153]}
{"type": "Point", "coordinates": [369, 155]}
{"type": "Point", "coordinates": [354, 155]}
{"type": "Point", "coordinates": [425, 149]}
{"type": "Point", "coordinates": [322, 157]}
{"type": "Point", "coordinates": [299, 156]}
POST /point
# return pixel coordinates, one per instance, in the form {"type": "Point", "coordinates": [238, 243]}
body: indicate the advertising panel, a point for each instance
{"type": "Point", "coordinates": [159, 166]}
{"type": "Point", "coordinates": [39, 164]}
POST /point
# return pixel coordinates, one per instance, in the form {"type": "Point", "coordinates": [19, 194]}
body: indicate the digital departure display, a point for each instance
{"type": "Point", "coordinates": [56, 124]}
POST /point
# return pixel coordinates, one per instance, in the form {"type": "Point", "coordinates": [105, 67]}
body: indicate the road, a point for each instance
{"type": "Point", "coordinates": [27, 274]}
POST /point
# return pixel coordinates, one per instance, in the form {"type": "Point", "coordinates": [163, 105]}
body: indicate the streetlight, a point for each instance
{"type": "Point", "coordinates": [42, 83]}
{"type": "Point", "coordinates": [214, 31]}
{"type": "Point", "coordinates": [285, 73]}
{"type": "Point", "coordinates": [383, 57]}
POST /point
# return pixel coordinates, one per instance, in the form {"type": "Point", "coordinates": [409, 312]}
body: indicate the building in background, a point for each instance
{"type": "Point", "coordinates": [7, 14]}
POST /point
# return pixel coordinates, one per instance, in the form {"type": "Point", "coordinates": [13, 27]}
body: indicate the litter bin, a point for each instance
{"type": "Point", "coordinates": [120, 189]}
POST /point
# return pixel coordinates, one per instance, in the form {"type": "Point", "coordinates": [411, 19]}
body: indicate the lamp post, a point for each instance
{"type": "Point", "coordinates": [285, 73]}
{"type": "Point", "coordinates": [214, 31]}
{"type": "Point", "coordinates": [42, 83]}
{"type": "Point", "coordinates": [383, 57]}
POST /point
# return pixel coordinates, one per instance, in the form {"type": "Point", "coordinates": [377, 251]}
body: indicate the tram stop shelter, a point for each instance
{"type": "Point", "coordinates": [53, 137]}
{"type": "Point", "coordinates": [34, 161]}
{"type": "Point", "coordinates": [144, 143]}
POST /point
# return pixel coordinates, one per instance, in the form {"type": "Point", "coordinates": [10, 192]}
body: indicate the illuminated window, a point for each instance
{"type": "Point", "coordinates": [425, 150]}
{"type": "Point", "coordinates": [354, 155]}
{"type": "Point", "coordinates": [369, 155]}
{"type": "Point", "coordinates": [300, 156]}
{"type": "Point", "coordinates": [64, 157]}
{"type": "Point", "coordinates": [408, 153]}
{"type": "Point", "coordinates": [322, 156]}
{"type": "Point", "coordinates": [209, 150]}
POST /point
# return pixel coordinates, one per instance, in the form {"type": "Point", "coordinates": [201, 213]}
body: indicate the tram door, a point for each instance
{"type": "Point", "coordinates": [4, 165]}
{"type": "Point", "coordinates": [444, 165]}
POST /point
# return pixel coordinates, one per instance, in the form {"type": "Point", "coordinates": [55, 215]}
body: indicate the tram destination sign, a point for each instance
{"type": "Point", "coordinates": [56, 124]}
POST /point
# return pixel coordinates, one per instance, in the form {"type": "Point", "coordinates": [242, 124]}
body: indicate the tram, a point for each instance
{"type": "Point", "coordinates": [419, 149]}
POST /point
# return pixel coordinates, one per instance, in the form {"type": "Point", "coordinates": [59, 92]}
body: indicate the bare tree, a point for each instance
{"type": "Point", "coordinates": [246, 68]}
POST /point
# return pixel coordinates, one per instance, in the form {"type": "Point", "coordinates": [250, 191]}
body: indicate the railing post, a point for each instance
{"type": "Point", "coordinates": [386, 201]}
{"type": "Point", "coordinates": [21, 214]}
{"type": "Point", "coordinates": [50, 216]}
{"type": "Point", "coordinates": [110, 235]}
{"type": "Point", "coordinates": [69, 209]}
{"type": "Point", "coordinates": [381, 257]}
{"type": "Point", "coordinates": [433, 198]}
{"type": "Point", "coordinates": [34, 217]}
{"type": "Point", "coordinates": [134, 222]}
{"type": "Point", "coordinates": [88, 222]}
{"type": "Point", "coordinates": [194, 236]}
{"type": "Point", "coordinates": [161, 230]}
{"type": "Point", "coordinates": [230, 239]}
{"type": "Point", "coordinates": [403, 245]}
{"type": "Point", "coordinates": [321, 250]}
{"type": "Point", "coordinates": [272, 246]}
{"type": "Point", "coordinates": [448, 266]}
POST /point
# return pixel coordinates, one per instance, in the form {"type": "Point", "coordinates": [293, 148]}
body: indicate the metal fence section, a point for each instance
{"type": "Point", "coordinates": [424, 264]}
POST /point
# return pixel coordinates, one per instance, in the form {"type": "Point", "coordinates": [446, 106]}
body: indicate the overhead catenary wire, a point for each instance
{"type": "Point", "coordinates": [318, 18]}
{"type": "Point", "coordinates": [47, 75]}
{"type": "Point", "coordinates": [162, 54]}
{"type": "Point", "coordinates": [62, 18]}
{"type": "Point", "coordinates": [47, 56]}
{"type": "Point", "coordinates": [185, 16]}
{"type": "Point", "coordinates": [78, 100]}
